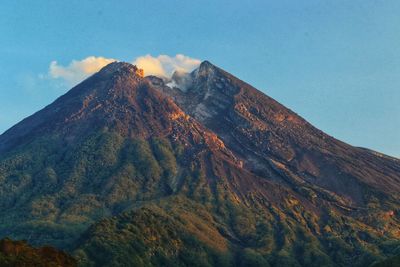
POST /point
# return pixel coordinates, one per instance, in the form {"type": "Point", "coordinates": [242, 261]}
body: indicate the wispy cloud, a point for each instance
{"type": "Point", "coordinates": [161, 65]}
{"type": "Point", "coordinates": [78, 70]}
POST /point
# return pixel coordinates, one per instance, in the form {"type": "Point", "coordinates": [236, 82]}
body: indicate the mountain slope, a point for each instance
{"type": "Point", "coordinates": [132, 170]}
{"type": "Point", "coordinates": [266, 133]}
{"type": "Point", "coordinates": [110, 143]}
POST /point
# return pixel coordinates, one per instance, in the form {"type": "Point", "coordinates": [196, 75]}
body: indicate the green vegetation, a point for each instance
{"type": "Point", "coordinates": [20, 254]}
{"type": "Point", "coordinates": [391, 262]}
{"type": "Point", "coordinates": [62, 194]}
{"type": "Point", "coordinates": [176, 231]}
{"type": "Point", "coordinates": [115, 201]}
{"type": "Point", "coordinates": [147, 237]}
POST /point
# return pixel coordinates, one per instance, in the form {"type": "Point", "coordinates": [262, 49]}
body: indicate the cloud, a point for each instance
{"type": "Point", "coordinates": [78, 70]}
{"type": "Point", "coordinates": [151, 65]}
{"type": "Point", "coordinates": [162, 65]}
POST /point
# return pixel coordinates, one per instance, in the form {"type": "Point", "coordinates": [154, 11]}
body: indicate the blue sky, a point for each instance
{"type": "Point", "coordinates": [336, 63]}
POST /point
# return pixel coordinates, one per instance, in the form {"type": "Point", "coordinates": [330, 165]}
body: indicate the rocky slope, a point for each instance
{"type": "Point", "coordinates": [267, 136]}
{"type": "Point", "coordinates": [126, 170]}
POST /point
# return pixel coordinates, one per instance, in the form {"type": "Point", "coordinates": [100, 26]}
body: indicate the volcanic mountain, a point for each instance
{"type": "Point", "coordinates": [200, 169]}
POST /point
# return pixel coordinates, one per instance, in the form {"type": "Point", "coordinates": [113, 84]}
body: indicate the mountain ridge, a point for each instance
{"type": "Point", "coordinates": [283, 120]}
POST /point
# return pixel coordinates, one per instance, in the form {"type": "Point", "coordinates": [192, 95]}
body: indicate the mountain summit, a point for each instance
{"type": "Point", "coordinates": [199, 170]}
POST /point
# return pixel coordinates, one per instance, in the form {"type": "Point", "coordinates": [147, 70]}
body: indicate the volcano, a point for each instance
{"type": "Point", "coordinates": [200, 169]}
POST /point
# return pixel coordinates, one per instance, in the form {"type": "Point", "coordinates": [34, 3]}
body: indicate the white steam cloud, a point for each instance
{"type": "Point", "coordinates": [164, 65]}
{"type": "Point", "coordinates": [161, 65]}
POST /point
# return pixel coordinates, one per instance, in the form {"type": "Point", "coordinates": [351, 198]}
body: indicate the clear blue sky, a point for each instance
{"type": "Point", "coordinates": [336, 63]}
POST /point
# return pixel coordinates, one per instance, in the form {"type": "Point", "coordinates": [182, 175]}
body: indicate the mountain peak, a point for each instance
{"type": "Point", "coordinates": [123, 68]}
{"type": "Point", "coordinates": [206, 66]}
{"type": "Point", "coordinates": [204, 70]}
